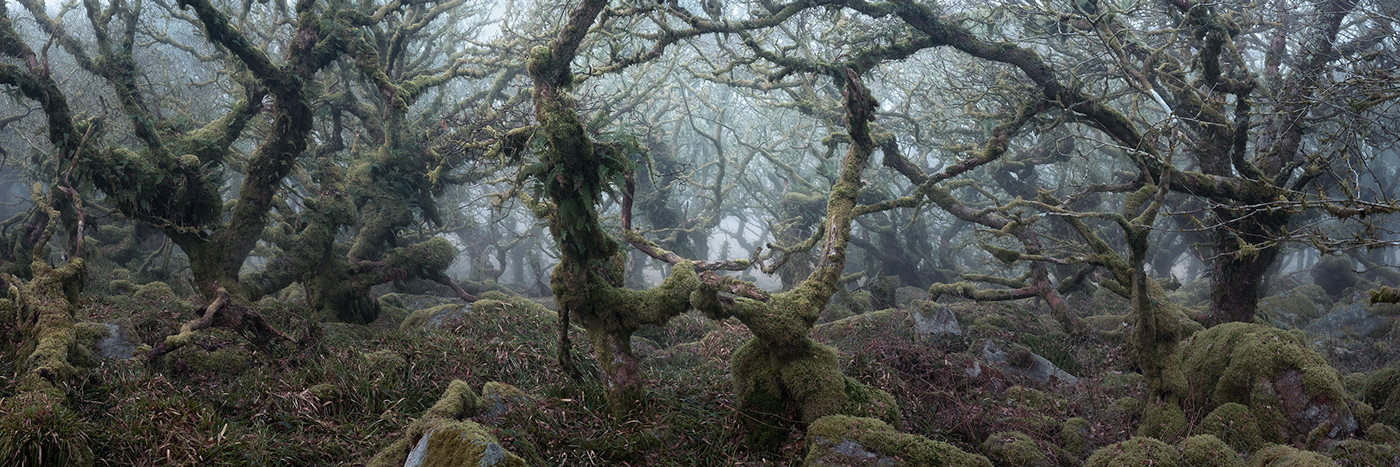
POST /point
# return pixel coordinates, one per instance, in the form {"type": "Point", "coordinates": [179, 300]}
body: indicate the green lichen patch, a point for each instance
{"type": "Point", "coordinates": [1209, 450]}
{"type": "Point", "coordinates": [1014, 448]}
{"type": "Point", "coordinates": [1291, 389]}
{"type": "Point", "coordinates": [1136, 451]}
{"type": "Point", "coordinates": [844, 440]}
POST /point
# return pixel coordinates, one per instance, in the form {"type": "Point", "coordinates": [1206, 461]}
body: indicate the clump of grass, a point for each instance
{"type": "Point", "coordinates": [37, 430]}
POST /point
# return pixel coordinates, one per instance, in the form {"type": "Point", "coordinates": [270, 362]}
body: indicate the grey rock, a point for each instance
{"type": "Point", "coordinates": [1039, 369]}
{"type": "Point", "coordinates": [934, 320]}
{"type": "Point", "coordinates": [118, 345]}
{"type": "Point", "coordinates": [1349, 319]}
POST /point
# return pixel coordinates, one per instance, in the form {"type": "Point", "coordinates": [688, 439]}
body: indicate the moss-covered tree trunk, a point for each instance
{"type": "Point", "coordinates": [587, 282]}
{"type": "Point", "coordinates": [781, 375]}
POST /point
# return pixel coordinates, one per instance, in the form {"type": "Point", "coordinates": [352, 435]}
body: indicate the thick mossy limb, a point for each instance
{"type": "Point", "coordinates": [612, 314]}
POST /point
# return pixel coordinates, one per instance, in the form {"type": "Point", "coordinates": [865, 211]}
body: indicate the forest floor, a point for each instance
{"type": "Point", "coordinates": [341, 393]}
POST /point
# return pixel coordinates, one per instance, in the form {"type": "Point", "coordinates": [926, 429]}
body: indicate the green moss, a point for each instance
{"type": "Point", "coordinates": [1382, 433]}
{"type": "Point", "coordinates": [1126, 407]}
{"type": "Point", "coordinates": [466, 443]}
{"type": "Point", "coordinates": [38, 429]}
{"type": "Point", "coordinates": [1364, 453]}
{"type": "Point", "coordinates": [1276, 375]}
{"type": "Point", "coordinates": [456, 404]}
{"type": "Point", "coordinates": [1163, 420]}
{"type": "Point", "coordinates": [1234, 424]}
{"type": "Point", "coordinates": [1136, 451]}
{"type": "Point", "coordinates": [121, 287]}
{"type": "Point", "coordinates": [1209, 450]}
{"type": "Point", "coordinates": [154, 291]}
{"type": "Point", "coordinates": [877, 437]}
{"type": "Point", "coordinates": [428, 316]}
{"type": "Point", "coordinates": [1278, 455]}
{"type": "Point", "coordinates": [1289, 310]}
{"type": "Point", "coordinates": [1014, 448]}
{"type": "Point", "coordinates": [1381, 389]}
{"type": "Point", "coordinates": [1074, 436]}
{"type": "Point", "coordinates": [324, 392]}
{"type": "Point", "coordinates": [498, 398]}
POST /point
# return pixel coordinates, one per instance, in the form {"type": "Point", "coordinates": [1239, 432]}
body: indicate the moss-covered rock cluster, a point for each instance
{"type": "Point", "coordinates": [1292, 392]}
{"type": "Point", "coordinates": [840, 440]}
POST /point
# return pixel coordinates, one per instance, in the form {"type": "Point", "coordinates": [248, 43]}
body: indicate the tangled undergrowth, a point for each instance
{"type": "Point", "coordinates": [340, 393]}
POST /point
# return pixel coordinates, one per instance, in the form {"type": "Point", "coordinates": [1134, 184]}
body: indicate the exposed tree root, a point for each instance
{"type": "Point", "coordinates": [220, 313]}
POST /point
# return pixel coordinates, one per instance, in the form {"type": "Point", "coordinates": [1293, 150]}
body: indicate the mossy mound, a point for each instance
{"type": "Point", "coordinates": [1234, 424]}
{"type": "Point", "coordinates": [1139, 450]}
{"type": "Point", "coordinates": [443, 436]}
{"type": "Point", "coordinates": [1381, 389]}
{"type": "Point", "coordinates": [1291, 389]}
{"type": "Point", "coordinates": [1074, 437]}
{"type": "Point", "coordinates": [213, 352]}
{"type": "Point", "coordinates": [499, 398]}
{"type": "Point", "coordinates": [459, 444]}
{"type": "Point", "coordinates": [433, 317]}
{"type": "Point", "coordinates": [39, 429]}
{"type": "Point", "coordinates": [1209, 450]}
{"type": "Point", "coordinates": [1334, 274]}
{"type": "Point", "coordinates": [1277, 455]}
{"type": "Point", "coordinates": [840, 440]}
{"type": "Point", "coordinates": [1355, 452]}
{"type": "Point", "coordinates": [154, 291]}
{"type": "Point", "coordinates": [1014, 448]}
{"type": "Point", "coordinates": [1289, 310]}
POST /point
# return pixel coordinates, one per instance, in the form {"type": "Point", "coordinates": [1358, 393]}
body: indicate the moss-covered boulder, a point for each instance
{"type": "Point", "coordinates": [840, 440]}
{"type": "Point", "coordinates": [443, 436]}
{"type": "Point", "coordinates": [215, 351]}
{"type": "Point", "coordinates": [1382, 433]}
{"type": "Point", "coordinates": [1209, 450]}
{"type": "Point", "coordinates": [1074, 437]}
{"type": "Point", "coordinates": [1334, 274]}
{"type": "Point", "coordinates": [1278, 455]}
{"type": "Point", "coordinates": [1234, 424]}
{"type": "Point", "coordinates": [465, 443]}
{"type": "Point", "coordinates": [154, 291]}
{"type": "Point", "coordinates": [1014, 448]}
{"type": "Point", "coordinates": [1289, 310]}
{"type": "Point", "coordinates": [498, 399]}
{"type": "Point", "coordinates": [1139, 450]}
{"type": "Point", "coordinates": [433, 317]}
{"type": "Point", "coordinates": [1291, 390]}
{"type": "Point", "coordinates": [1381, 389]}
